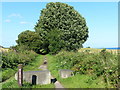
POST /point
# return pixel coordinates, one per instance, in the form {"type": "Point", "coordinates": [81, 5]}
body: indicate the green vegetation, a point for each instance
{"type": "Point", "coordinates": [59, 27]}
{"type": "Point", "coordinates": [7, 73]}
{"type": "Point", "coordinates": [99, 69]}
{"type": "Point", "coordinates": [83, 81]}
{"type": "Point", "coordinates": [11, 59]}
{"type": "Point", "coordinates": [35, 64]}
{"type": "Point", "coordinates": [55, 45]}
{"type": "Point", "coordinates": [66, 21]}
{"type": "Point", "coordinates": [30, 39]}
{"type": "Point", "coordinates": [60, 31]}
{"type": "Point", "coordinates": [12, 83]}
{"type": "Point", "coordinates": [91, 70]}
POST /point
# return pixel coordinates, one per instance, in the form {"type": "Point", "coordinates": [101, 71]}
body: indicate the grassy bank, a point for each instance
{"type": "Point", "coordinates": [94, 50]}
{"type": "Point", "coordinates": [77, 81]}
{"type": "Point", "coordinates": [33, 66]}
{"type": "Point", "coordinates": [92, 70]}
{"type": "Point", "coordinates": [11, 59]}
{"type": "Point", "coordinates": [83, 81]}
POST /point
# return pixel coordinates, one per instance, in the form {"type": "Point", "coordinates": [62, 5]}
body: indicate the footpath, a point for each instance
{"type": "Point", "coordinates": [56, 83]}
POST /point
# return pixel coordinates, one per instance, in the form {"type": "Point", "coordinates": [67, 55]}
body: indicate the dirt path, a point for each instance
{"type": "Point", "coordinates": [58, 85]}
{"type": "Point", "coordinates": [44, 67]}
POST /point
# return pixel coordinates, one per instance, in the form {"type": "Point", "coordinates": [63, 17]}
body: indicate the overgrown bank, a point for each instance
{"type": "Point", "coordinates": [33, 66]}
{"type": "Point", "coordinates": [92, 70]}
{"type": "Point", "coordinates": [11, 59]}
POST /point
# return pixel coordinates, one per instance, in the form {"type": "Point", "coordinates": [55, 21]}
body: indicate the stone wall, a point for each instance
{"type": "Point", "coordinates": [36, 77]}
{"type": "Point", "coordinates": [65, 73]}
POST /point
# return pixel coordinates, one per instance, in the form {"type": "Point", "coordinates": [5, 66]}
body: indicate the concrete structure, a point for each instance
{"type": "Point", "coordinates": [65, 73]}
{"type": "Point", "coordinates": [36, 77]}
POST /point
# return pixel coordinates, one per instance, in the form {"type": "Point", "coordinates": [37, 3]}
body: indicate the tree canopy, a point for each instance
{"type": "Point", "coordinates": [59, 27]}
{"type": "Point", "coordinates": [30, 39]}
{"type": "Point", "coordinates": [65, 20]}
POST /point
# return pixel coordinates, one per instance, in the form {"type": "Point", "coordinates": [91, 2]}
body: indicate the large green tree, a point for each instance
{"type": "Point", "coordinates": [63, 18]}
{"type": "Point", "coordinates": [55, 42]}
{"type": "Point", "coordinates": [29, 39]}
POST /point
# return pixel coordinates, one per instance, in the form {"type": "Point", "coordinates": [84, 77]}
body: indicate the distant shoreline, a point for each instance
{"type": "Point", "coordinates": [111, 48]}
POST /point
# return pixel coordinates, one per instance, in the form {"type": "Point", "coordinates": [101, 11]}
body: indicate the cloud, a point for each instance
{"type": "Point", "coordinates": [23, 22]}
{"type": "Point", "coordinates": [15, 15]}
{"type": "Point", "coordinates": [7, 20]}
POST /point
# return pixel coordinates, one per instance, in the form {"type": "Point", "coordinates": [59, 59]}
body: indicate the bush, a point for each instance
{"type": "Point", "coordinates": [7, 73]}
{"type": "Point", "coordinates": [12, 59]}
{"type": "Point", "coordinates": [30, 39]}
{"type": "Point", "coordinates": [93, 64]}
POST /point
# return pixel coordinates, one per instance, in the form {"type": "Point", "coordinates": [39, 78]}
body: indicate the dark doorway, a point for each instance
{"type": "Point", "coordinates": [53, 80]}
{"type": "Point", "coordinates": [45, 62]}
{"type": "Point", "coordinates": [34, 79]}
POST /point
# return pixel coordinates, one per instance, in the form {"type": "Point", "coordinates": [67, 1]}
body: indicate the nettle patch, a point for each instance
{"type": "Point", "coordinates": [100, 64]}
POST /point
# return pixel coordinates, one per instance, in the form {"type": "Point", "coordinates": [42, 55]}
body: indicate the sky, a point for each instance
{"type": "Point", "coordinates": [101, 19]}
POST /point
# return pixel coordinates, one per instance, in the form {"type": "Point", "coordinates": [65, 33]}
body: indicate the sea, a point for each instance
{"type": "Point", "coordinates": [111, 48]}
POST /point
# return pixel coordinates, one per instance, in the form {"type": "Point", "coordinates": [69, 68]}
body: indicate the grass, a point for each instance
{"type": "Point", "coordinates": [77, 81]}
{"type": "Point", "coordinates": [31, 66]}
{"type": "Point", "coordinates": [7, 71]}
{"type": "Point", "coordinates": [82, 81]}
{"type": "Point", "coordinates": [44, 86]}
{"type": "Point", "coordinates": [35, 64]}
{"type": "Point", "coordinates": [4, 49]}
{"type": "Point", "coordinates": [12, 83]}
{"type": "Point", "coordinates": [52, 66]}
{"type": "Point", "coordinates": [11, 59]}
{"type": "Point", "coordinates": [94, 50]}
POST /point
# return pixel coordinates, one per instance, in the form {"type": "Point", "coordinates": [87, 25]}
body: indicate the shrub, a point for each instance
{"type": "Point", "coordinates": [12, 59]}
{"type": "Point", "coordinates": [96, 64]}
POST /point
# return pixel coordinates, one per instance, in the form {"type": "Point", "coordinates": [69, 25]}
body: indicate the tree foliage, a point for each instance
{"type": "Point", "coordinates": [29, 39]}
{"type": "Point", "coordinates": [59, 27]}
{"type": "Point", "coordinates": [64, 19]}
{"type": "Point", "coordinates": [55, 42]}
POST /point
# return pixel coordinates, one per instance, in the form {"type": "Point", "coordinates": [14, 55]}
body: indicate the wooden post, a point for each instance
{"type": "Point", "coordinates": [20, 75]}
